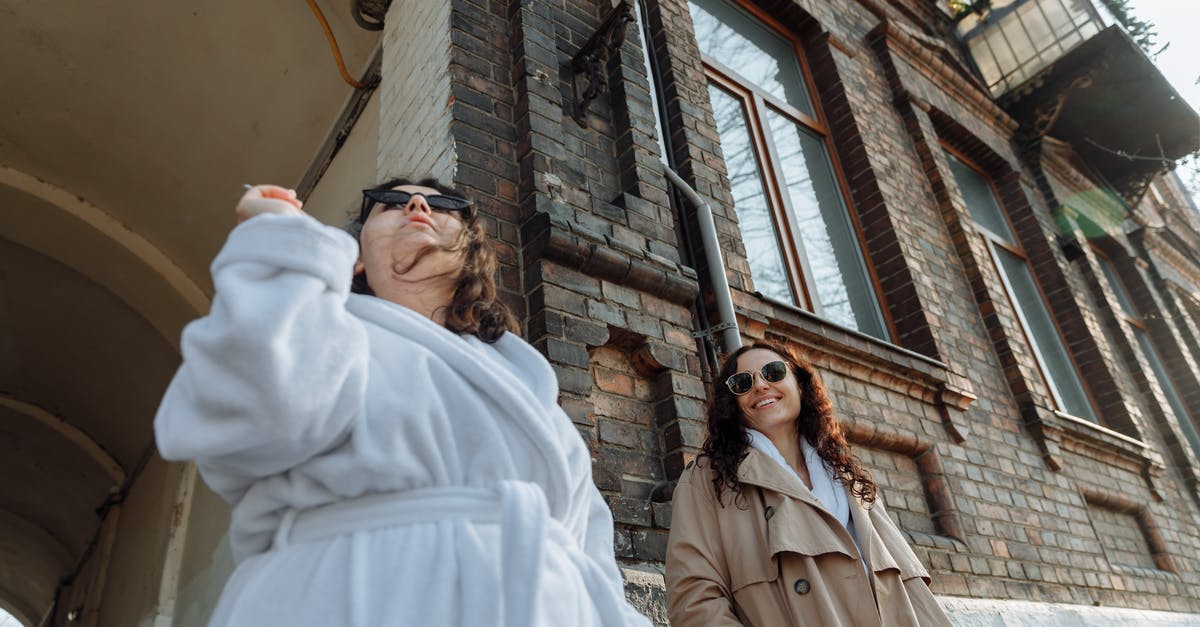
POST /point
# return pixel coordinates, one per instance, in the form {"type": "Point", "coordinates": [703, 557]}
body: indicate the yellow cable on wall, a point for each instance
{"type": "Point", "coordinates": [337, 54]}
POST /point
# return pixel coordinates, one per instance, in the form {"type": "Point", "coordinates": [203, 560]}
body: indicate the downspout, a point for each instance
{"type": "Point", "coordinates": [705, 342]}
{"type": "Point", "coordinates": [731, 339]}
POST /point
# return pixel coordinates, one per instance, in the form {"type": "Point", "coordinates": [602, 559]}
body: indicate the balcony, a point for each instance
{"type": "Point", "coordinates": [1064, 68]}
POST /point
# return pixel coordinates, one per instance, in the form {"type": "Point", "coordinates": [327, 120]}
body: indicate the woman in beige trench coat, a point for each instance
{"type": "Point", "coordinates": [776, 524]}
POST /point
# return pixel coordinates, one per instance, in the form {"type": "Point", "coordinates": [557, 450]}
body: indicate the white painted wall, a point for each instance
{"type": "Point", "coordinates": [414, 124]}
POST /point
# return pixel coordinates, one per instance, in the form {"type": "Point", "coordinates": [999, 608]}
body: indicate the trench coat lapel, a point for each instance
{"type": "Point", "coordinates": [865, 530]}
{"type": "Point", "coordinates": [811, 529]}
{"type": "Point", "coordinates": [760, 470]}
{"type": "Point", "coordinates": [882, 544]}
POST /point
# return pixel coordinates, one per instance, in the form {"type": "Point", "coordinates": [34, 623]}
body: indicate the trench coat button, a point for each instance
{"type": "Point", "coordinates": [770, 511]}
{"type": "Point", "coordinates": [802, 586]}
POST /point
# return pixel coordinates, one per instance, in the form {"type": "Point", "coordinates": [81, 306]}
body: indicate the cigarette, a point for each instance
{"type": "Point", "coordinates": [247, 186]}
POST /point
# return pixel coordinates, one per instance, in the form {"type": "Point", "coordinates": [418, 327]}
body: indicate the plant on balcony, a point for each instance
{"type": "Point", "coordinates": [1142, 32]}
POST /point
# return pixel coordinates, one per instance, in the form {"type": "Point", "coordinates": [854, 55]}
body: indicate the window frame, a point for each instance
{"type": "Point", "coordinates": [992, 240]}
{"type": "Point", "coordinates": [755, 103]}
{"type": "Point", "coordinates": [1136, 320]}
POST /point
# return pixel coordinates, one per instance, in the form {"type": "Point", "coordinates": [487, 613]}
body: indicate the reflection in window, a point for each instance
{"type": "Point", "coordinates": [819, 217]}
{"type": "Point", "coordinates": [732, 37]}
{"type": "Point", "coordinates": [801, 242]}
{"type": "Point", "coordinates": [981, 201]}
{"type": "Point", "coordinates": [749, 197]}
{"type": "Point", "coordinates": [1168, 389]}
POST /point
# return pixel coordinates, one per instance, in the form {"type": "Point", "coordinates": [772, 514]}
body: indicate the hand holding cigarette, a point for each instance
{"type": "Point", "coordinates": [260, 199]}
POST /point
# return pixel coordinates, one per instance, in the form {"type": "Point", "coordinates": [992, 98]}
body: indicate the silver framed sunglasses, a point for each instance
{"type": "Point", "coordinates": [742, 382]}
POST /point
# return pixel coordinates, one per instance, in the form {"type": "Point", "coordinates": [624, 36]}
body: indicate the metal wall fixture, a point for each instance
{"type": "Point", "coordinates": [589, 78]}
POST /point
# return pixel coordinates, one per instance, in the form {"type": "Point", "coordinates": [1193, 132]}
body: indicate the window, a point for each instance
{"type": "Point", "coordinates": [801, 242]}
{"type": "Point", "coordinates": [1133, 316]}
{"type": "Point", "coordinates": [1050, 352]}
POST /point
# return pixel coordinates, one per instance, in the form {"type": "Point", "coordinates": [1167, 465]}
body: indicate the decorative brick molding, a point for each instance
{"type": "Point", "coordinates": [644, 414]}
{"type": "Point", "coordinates": [866, 358]}
{"type": "Point", "coordinates": [933, 56]}
{"type": "Point", "coordinates": [928, 126]}
{"type": "Point", "coordinates": [942, 510]}
{"type": "Point", "coordinates": [1147, 526]}
{"type": "Point", "coordinates": [594, 256]}
{"type": "Point", "coordinates": [605, 259]}
{"type": "Point", "coordinates": [912, 322]}
{"type": "Point", "coordinates": [1065, 432]}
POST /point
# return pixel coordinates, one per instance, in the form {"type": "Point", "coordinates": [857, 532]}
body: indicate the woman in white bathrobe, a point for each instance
{"type": "Point", "coordinates": [392, 459]}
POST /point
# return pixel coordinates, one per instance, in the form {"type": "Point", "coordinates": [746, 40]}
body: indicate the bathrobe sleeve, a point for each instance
{"type": "Point", "coordinates": [276, 372]}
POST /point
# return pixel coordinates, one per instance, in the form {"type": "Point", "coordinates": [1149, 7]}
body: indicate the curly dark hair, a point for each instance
{"type": "Point", "coordinates": [475, 308]}
{"type": "Point", "coordinates": [728, 441]}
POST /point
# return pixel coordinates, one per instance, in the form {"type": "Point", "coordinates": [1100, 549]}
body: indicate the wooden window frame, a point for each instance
{"type": "Point", "coordinates": [1138, 322]}
{"type": "Point", "coordinates": [992, 240]}
{"type": "Point", "coordinates": [755, 103]}
{"type": "Point", "coordinates": [1135, 318]}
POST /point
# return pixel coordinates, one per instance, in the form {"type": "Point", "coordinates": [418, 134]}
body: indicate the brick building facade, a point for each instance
{"type": "Point", "coordinates": [1008, 388]}
{"type": "Point", "coordinates": [965, 222]}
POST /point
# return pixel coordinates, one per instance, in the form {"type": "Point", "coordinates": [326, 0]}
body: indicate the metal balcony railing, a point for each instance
{"type": "Point", "coordinates": [1015, 39]}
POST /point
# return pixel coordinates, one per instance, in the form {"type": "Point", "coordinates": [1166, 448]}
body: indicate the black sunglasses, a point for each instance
{"type": "Point", "coordinates": [398, 198]}
{"type": "Point", "coordinates": [741, 382]}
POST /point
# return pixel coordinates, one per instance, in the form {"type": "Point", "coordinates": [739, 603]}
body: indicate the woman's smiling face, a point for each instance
{"type": "Point", "coordinates": [768, 406]}
{"type": "Point", "coordinates": [393, 236]}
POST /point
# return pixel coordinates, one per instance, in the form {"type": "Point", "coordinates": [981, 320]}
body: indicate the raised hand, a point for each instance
{"type": "Point", "coordinates": [261, 199]}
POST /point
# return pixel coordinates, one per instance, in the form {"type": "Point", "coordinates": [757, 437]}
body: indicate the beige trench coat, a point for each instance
{"type": "Point", "coordinates": [785, 560]}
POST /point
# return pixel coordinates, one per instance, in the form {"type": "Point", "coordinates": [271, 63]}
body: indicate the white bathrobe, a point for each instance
{"type": "Point", "coordinates": [383, 470]}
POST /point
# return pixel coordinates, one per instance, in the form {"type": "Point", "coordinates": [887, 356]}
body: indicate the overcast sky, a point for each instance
{"type": "Point", "coordinates": [1177, 22]}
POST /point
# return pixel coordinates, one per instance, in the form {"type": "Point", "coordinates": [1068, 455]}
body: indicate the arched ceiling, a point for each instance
{"type": "Point", "coordinates": [126, 132]}
{"type": "Point", "coordinates": [157, 112]}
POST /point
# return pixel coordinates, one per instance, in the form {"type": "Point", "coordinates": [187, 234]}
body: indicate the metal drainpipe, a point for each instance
{"type": "Point", "coordinates": [730, 336]}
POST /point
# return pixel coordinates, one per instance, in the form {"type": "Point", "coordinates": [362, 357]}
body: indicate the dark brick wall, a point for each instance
{"type": "Point", "coordinates": [1001, 497]}
{"type": "Point", "coordinates": [485, 131]}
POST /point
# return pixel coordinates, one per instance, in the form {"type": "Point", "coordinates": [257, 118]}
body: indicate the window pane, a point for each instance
{"type": "Point", "coordinates": [1058, 17]}
{"type": "Point", "coordinates": [1169, 391]}
{"type": "Point", "coordinates": [1002, 51]}
{"type": "Point", "coordinates": [1014, 31]}
{"type": "Point", "coordinates": [819, 217]}
{"type": "Point", "coordinates": [985, 60]}
{"type": "Point", "coordinates": [981, 202]}
{"type": "Point", "coordinates": [1056, 363]}
{"type": "Point", "coordinates": [750, 198]}
{"type": "Point", "coordinates": [1038, 27]}
{"type": "Point", "coordinates": [735, 39]}
{"type": "Point", "coordinates": [1110, 273]}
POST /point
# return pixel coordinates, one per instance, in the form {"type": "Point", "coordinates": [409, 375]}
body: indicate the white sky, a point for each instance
{"type": "Point", "coordinates": [1177, 22]}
